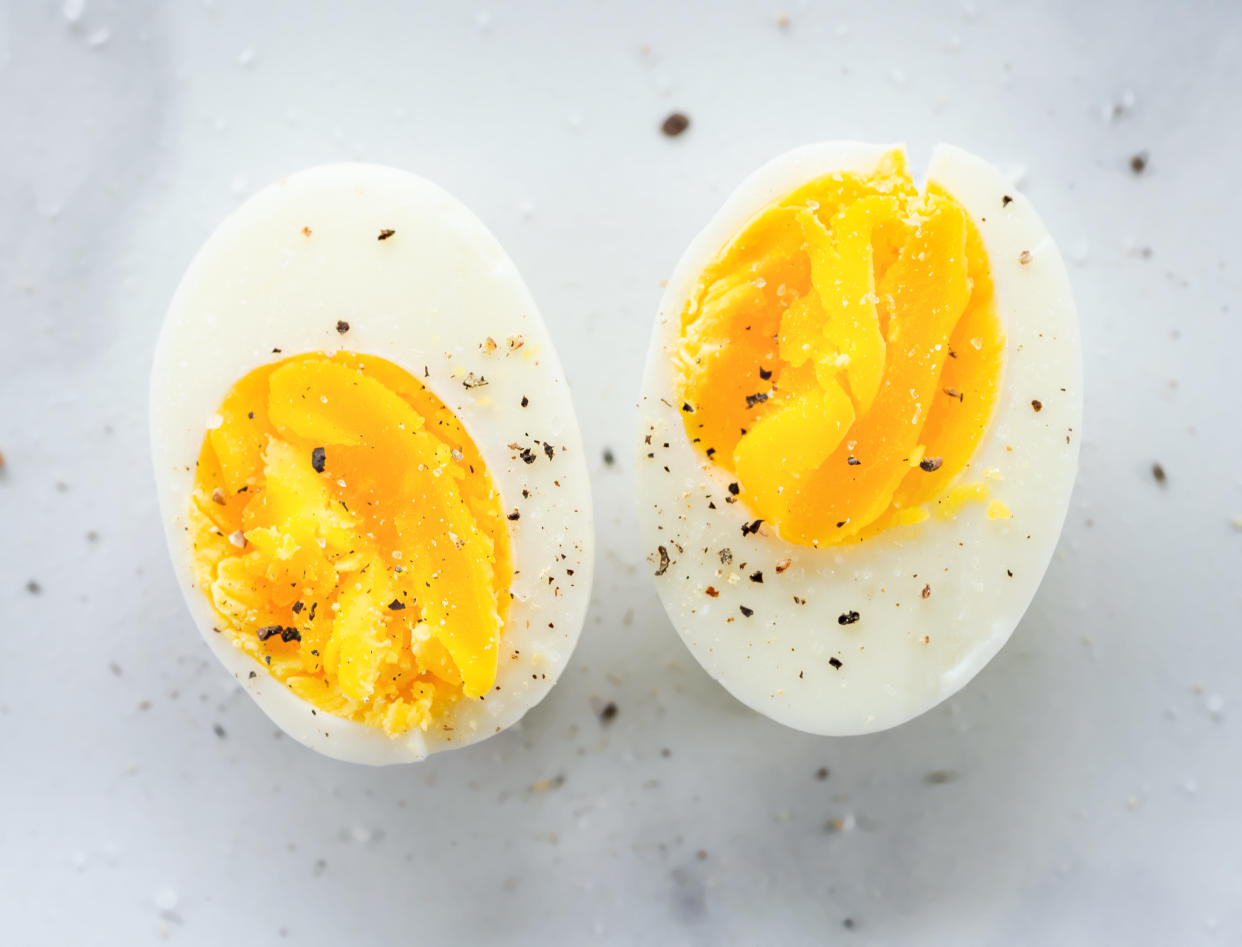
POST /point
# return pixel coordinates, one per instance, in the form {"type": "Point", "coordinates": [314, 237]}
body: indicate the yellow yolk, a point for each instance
{"type": "Point", "coordinates": [841, 355]}
{"type": "Point", "coordinates": [351, 539]}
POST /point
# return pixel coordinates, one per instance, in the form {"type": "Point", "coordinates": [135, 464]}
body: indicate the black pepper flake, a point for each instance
{"type": "Point", "coordinates": [1138, 162]}
{"type": "Point", "coordinates": [527, 455]}
{"type": "Point", "coordinates": [748, 528]}
{"type": "Point", "coordinates": [319, 459]}
{"type": "Point", "coordinates": [342, 326]}
{"type": "Point", "coordinates": [848, 618]}
{"type": "Point", "coordinates": [608, 714]}
{"type": "Point", "coordinates": [954, 393]}
{"type": "Point", "coordinates": [746, 611]}
{"type": "Point", "coordinates": [253, 675]}
{"type": "Point", "coordinates": [547, 449]}
{"type": "Point", "coordinates": [1006, 201]}
{"type": "Point", "coordinates": [686, 407]}
{"type": "Point", "coordinates": [1157, 471]}
{"type": "Point", "coordinates": [297, 608]}
{"type": "Point", "coordinates": [757, 577]}
{"type": "Point", "coordinates": [314, 605]}
{"type": "Point", "coordinates": [514, 516]}
{"type": "Point", "coordinates": [726, 556]}
{"type": "Point", "coordinates": [525, 401]}
{"type": "Point", "coordinates": [735, 488]}
{"type": "Point", "coordinates": [385, 234]}
{"type": "Point", "coordinates": [836, 663]}
{"type": "Point", "coordinates": [396, 605]}
{"type": "Point", "coordinates": [758, 397]}
{"type": "Point", "coordinates": [664, 560]}
{"type": "Point", "coordinates": [250, 415]}
{"type": "Point", "coordinates": [609, 460]}
{"type": "Point", "coordinates": [218, 730]}
{"type": "Point", "coordinates": [675, 124]}
{"type": "Point", "coordinates": [268, 631]}
{"type": "Point", "coordinates": [290, 634]}
{"type": "Point", "coordinates": [765, 373]}
{"type": "Point", "coordinates": [1037, 405]}
{"type": "Point", "coordinates": [931, 463]}
{"type": "Point", "coordinates": [853, 461]}
{"type": "Point", "coordinates": [711, 452]}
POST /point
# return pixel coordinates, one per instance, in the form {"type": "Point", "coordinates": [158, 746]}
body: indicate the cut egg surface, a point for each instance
{"type": "Point", "coordinates": [369, 468]}
{"type": "Point", "coordinates": [858, 432]}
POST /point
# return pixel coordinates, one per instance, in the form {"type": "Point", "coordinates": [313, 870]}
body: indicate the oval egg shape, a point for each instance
{"type": "Point", "coordinates": [859, 429]}
{"type": "Point", "coordinates": [369, 467]}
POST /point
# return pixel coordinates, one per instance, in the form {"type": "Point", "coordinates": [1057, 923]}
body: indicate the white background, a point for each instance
{"type": "Point", "coordinates": [1088, 780]}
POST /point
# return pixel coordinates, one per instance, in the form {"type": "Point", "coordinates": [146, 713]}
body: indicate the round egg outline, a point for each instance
{"type": "Point", "coordinates": [399, 260]}
{"type": "Point", "coordinates": [790, 646]}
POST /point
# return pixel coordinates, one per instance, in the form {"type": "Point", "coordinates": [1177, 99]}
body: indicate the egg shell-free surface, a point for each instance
{"type": "Point", "coordinates": [792, 658]}
{"type": "Point", "coordinates": [274, 280]}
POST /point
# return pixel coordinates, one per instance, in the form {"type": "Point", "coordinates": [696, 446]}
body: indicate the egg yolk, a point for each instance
{"type": "Point", "coordinates": [841, 355]}
{"type": "Point", "coordinates": [350, 539]}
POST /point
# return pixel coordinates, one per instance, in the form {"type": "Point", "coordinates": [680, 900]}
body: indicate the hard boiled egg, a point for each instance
{"type": "Point", "coordinates": [369, 468]}
{"type": "Point", "coordinates": [859, 431]}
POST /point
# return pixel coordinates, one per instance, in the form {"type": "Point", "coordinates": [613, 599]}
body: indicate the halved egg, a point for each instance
{"type": "Point", "coordinates": [369, 467]}
{"type": "Point", "coordinates": [859, 432]}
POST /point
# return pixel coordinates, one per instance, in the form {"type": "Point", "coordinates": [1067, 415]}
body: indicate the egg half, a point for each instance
{"type": "Point", "coordinates": [369, 468]}
{"type": "Point", "coordinates": [859, 432]}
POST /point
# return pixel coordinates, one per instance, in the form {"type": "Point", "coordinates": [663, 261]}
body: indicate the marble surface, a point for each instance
{"type": "Point", "coordinates": [1083, 789]}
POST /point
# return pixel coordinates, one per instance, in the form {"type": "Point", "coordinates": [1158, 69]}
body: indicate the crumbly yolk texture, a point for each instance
{"type": "Point", "coordinates": [841, 355]}
{"type": "Point", "coordinates": [351, 540]}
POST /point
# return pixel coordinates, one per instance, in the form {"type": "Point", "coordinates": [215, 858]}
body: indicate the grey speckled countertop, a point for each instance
{"type": "Point", "coordinates": [1082, 789]}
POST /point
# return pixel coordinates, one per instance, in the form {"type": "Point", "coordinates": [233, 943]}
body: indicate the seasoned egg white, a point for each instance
{"type": "Point", "coordinates": [858, 637]}
{"type": "Point", "coordinates": [380, 262]}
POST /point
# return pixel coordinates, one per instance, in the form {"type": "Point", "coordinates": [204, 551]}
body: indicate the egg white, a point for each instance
{"type": "Point", "coordinates": [427, 299]}
{"type": "Point", "coordinates": [982, 573]}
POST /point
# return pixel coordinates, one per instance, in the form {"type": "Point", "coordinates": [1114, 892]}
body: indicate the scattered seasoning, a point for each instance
{"type": "Point", "coordinates": [525, 401]}
{"type": "Point", "coordinates": [848, 618]}
{"type": "Point", "coordinates": [1138, 162]}
{"type": "Point", "coordinates": [726, 556]}
{"type": "Point", "coordinates": [675, 124]}
{"type": "Point", "coordinates": [253, 675]}
{"type": "Point", "coordinates": [836, 663]}
{"type": "Point", "coordinates": [1006, 201]}
{"type": "Point", "coordinates": [758, 397]}
{"type": "Point", "coordinates": [711, 452]}
{"type": "Point", "coordinates": [931, 463]}
{"type": "Point", "coordinates": [782, 565]}
{"type": "Point", "coordinates": [219, 730]}
{"type": "Point", "coordinates": [609, 460]}
{"type": "Point", "coordinates": [396, 605]}
{"type": "Point", "coordinates": [250, 415]}
{"type": "Point", "coordinates": [765, 373]}
{"type": "Point", "coordinates": [685, 406]}
{"type": "Point", "coordinates": [746, 611]}
{"type": "Point", "coordinates": [527, 455]}
{"type": "Point", "coordinates": [547, 449]}
{"type": "Point", "coordinates": [1009, 572]}
{"type": "Point", "coordinates": [314, 605]}
{"type": "Point", "coordinates": [1037, 405]}
{"type": "Point", "coordinates": [1024, 257]}
{"type": "Point", "coordinates": [217, 496]}
{"type": "Point", "coordinates": [608, 714]}
{"type": "Point", "coordinates": [268, 631]}
{"type": "Point", "coordinates": [342, 326]}
{"type": "Point", "coordinates": [473, 381]}
{"type": "Point", "coordinates": [319, 459]}
{"type": "Point", "coordinates": [954, 393]}
{"type": "Point", "coordinates": [712, 591]}
{"type": "Point", "coordinates": [1157, 471]}
{"type": "Point", "coordinates": [385, 234]}
{"type": "Point", "coordinates": [927, 591]}
{"type": "Point", "coordinates": [757, 577]}
{"type": "Point", "coordinates": [822, 773]}
{"type": "Point", "coordinates": [853, 461]}
{"type": "Point", "coordinates": [514, 516]}
{"type": "Point", "coordinates": [664, 560]}
{"type": "Point", "coordinates": [290, 634]}
{"type": "Point", "coordinates": [735, 488]}
{"type": "Point", "coordinates": [748, 528]}
{"type": "Point", "coordinates": [297, 608]}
